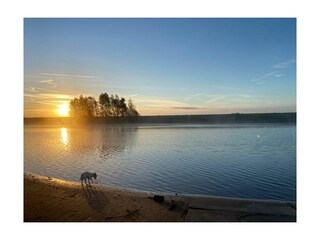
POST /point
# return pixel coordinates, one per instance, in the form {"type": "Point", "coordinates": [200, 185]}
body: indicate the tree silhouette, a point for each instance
{"type": "Point", "coordinates": [105, 105]}
{"type": "Point", "coordinates": [108, 106]}
{"type": "Point", "coordinates": [83, 107]}
{"type": "Point", "coordinates": [114, 100]}
{"type": "Point", "coordinates": [123, 107]}
{"type": "Point", "coordinates": [131, 111]}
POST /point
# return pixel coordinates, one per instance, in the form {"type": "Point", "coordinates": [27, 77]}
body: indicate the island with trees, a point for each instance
{"type": "Point", "coordinates": [112, 109]}
{"type": "Point", "coordinates": [107, 106]}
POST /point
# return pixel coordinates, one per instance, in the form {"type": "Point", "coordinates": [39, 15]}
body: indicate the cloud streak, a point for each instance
{"type": "Point", "coordinates": [38, 90]}
{"type": "Point", "coordinates": [185, 108]}
{"type": "Point", "coordinates": [260, 79]}
{"type": "Point", "coordinates": [68, 75]}
{"type": "Point", "coordinates": [276, 71]}
{"type": "Point", "coordinates": [278, 75]}
{"type": "Point", "coordinates": [215, 99]}
{"type": "Point", "coordinates": [285, 64]}
{"type": "Point", "coordinates": [49, 82]}
{"type": "Point", "coordinates": [49, 96]}
{"type": "Point", "coordinates": [196, 97]}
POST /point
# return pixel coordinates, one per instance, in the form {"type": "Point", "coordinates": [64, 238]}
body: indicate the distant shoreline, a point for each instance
{"type": "Point", "coordinates": [172, 119]}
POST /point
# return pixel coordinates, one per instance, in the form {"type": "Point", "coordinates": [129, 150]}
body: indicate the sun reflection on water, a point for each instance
{"type": "Point", "coordinates": [64, 136]}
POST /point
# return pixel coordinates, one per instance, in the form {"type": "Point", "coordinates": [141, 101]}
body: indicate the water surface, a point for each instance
{"type": "Point", "coordinates": [248, 161]}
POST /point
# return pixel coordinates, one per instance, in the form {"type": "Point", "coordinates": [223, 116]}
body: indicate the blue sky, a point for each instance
{"type": "Point", "coordinates": [166, 66]}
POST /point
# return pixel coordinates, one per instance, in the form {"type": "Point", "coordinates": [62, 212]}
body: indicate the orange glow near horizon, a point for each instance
{"type": "Point", "coordinates": [63, 109]}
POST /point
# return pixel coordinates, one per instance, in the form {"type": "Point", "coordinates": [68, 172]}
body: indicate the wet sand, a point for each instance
{"type": "Point", "coordinates": [53, 200]}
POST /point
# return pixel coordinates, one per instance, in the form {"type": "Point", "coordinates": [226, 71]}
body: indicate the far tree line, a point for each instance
{"type": "Point", "coordinates": [107, 106]}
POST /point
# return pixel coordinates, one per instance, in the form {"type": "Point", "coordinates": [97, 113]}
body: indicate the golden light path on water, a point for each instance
{"type": "Point", "coordinates": [64, 136]}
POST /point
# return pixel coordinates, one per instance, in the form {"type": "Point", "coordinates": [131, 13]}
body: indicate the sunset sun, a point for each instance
{"type": "Point", "coordinates": [63, 109]}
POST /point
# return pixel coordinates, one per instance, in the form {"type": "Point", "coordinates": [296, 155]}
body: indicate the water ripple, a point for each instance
{"type": "Point", "coordinates": [221, 161]}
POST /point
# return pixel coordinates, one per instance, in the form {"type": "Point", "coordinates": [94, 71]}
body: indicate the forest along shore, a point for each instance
{"type": "Point", "coordinates": [49, 199]}
{"type": "Point", "coordinates": [236, 118]}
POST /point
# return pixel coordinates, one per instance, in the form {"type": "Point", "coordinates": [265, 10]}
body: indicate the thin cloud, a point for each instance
{"type": "Point", "coordinates": [154, 102]}
{"type": "Point", "coordinates": [49, 96]}
{"type": "Point", "coordinates": [49, 82]}
{"type": "Point", "coordinates": [56, 96]}
{"type": "Point", "coordinates": [194, 97]}
{"type": "Point", "coordinates": [215, 99]}
{"type": "Point", "coordinates": [278, 75]}
{"type": "Point", "coordinates": [260, 79]}
{"type": "Point", "coordinates": [38, 90]}
{"type": "Point", "coordinates": [68, 75]}
{"type": "Point", "coordinates": [185, 108]}
{"type": "Point", "coordinates": [42, 102]}
{"type": "Point", "coordinates": [275, 73]}
{"type": "Point", "coordinates": [285, 64]}
{"type": "Point", "coordinates": [33, 100]}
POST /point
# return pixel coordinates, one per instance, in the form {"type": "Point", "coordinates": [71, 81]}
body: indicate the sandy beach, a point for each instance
{"type": "Point", "coordinates": [49, 199]}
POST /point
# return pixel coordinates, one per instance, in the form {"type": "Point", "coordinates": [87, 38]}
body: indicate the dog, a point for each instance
{"type": "Point", "coordinates": [89, 176]}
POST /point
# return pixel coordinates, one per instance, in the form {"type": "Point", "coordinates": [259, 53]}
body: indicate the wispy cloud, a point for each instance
{"type": "Point", "coordinates": [38, 90]}
{"type": "Point", "coordinates": [285, 64]}
{"type": "Point", "coordinates": [193, 97]}
{"type": "Point", "coordinates": [49, 96]}
{"type": "Point", "coordinates": [277, 68]}
{"type": "Point", "coordinates": [49, 82]}
{"type": "Point", "coordinates": [56, 96]}
{"type": "Point", "coordinates": [260, 79]}
{"type": "Point", "coordinates": [158, 102]}
{"type": "Point", "coordinates": [33, 98]}
{"type": "Point", "coordinates": [68, 75]}
{"type": "Point", "coordinates": [278, 75]}
{"type": "Point", "coordinates": [185, 108]}
{"type": "Point", "coordinates": [215, 99]}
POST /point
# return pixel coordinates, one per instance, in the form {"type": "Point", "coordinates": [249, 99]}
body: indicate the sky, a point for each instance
{"type": "Point", "coordinates": [166, 66]}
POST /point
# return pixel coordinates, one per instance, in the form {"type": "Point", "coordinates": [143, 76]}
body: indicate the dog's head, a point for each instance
{"type": "Point", "coordinates": [95, 176]}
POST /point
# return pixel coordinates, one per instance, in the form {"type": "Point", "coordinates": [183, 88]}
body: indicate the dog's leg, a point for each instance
{"type": "Point", "coordinates": [89, 181]}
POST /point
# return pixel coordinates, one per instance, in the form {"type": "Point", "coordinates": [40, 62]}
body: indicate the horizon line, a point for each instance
{"type": "Point", "coordinates": [180, 115]}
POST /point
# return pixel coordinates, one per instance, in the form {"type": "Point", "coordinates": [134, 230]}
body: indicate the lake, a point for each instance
{"type": "Point", "coordinates": [247, 161]}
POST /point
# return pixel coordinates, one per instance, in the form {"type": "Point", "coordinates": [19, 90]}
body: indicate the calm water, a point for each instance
{"type": "Point", "coordinates": [253, 161]}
